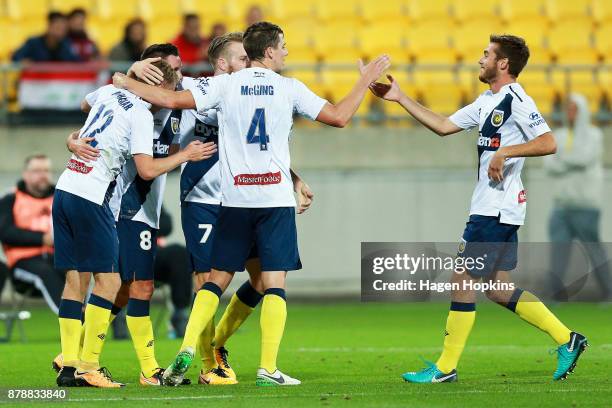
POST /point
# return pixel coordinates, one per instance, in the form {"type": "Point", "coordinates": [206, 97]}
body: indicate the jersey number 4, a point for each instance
{"type": "Point", "coordinates": [257, 130]}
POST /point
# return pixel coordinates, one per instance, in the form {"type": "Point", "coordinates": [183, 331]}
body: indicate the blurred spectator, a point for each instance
{"type": "Point", "coordinates": [254, 15]}
{"type": "Point", "coordinates": [218, 29]}
{"type": "Point", "coordinates": [82, 46]}
{"type": "Point", "coordinates": [53, 45]}
{"type": "Point", "coordinates": [26, 235]}
{"type": "Point", "coordinates": [133, 43]}
{"type": "Point", "coordinates": [577, 171]}
{"type": "Point", "coordinates": [4, 274]}
{"type": "Point", "coordinates": [191, 44]}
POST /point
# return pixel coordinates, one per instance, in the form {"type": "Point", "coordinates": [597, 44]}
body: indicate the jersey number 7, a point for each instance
{"type": "Point", "coordinates": [257, 130]}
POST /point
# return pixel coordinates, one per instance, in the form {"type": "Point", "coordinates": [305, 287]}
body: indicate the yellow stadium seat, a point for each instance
{"type": "Point", "coordinates": [310, 78]}
{"type": "Point", "coordinates": [605, 81]}
{"type": "Point", "coordinates": [106, 36]}
{"type": "Point", "coordinates": [163, 30]}
{"type": "Point", "coordinates": [117, 9]}
{"type": "Point", "coordinates": [603, 42]}
{"type": "Point", "coordinates": [337, 10]}
{"type": "Point", "coordinates": [67, 6]}
{"type": "Point", "coordinates": [338, 84]}
{"type": "Point", "coordinates": [20, 9]}
{"type": "Point", "coordinates": [429, 10]}
{"type": "Point", "coordinates": [336, 42]}
{"type": "Point", "coordinates": [465, 10]}
{"type": "Point", "coordinates": [571, 42]}
{"type": "Point", "coordinates": [583, 81]}
{"type": "Point", "coordinates": [159, 9]}
{"type": "Point", "coordinates": [386, 38]}
{"type": "Point", "coordinates": [431, 43]}
{"type": "Point", "coordinates": [538, 85]}
{"type": "Point", "coordinates": [516, 10]}
{"type": "Point", "coordinates": [287, 10]}
{"type": "Point", "coordinates": [384, 11]}
{"type": "Point", "coordinates": [439, 90]}
{"type": "Point", "coordinates": [602, 10]}
{"type": "Point", "coordinates": [300, 42]}
{"type": "Point", "coordinates": [472, 38]}
{"type": "Point", "coordinates": [559, 10]}
{"type": "Point", "coordinates": [532, 31]}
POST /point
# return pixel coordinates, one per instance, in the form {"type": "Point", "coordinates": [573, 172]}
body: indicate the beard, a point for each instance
{"type": "Point", "coordinates": [487, 75]}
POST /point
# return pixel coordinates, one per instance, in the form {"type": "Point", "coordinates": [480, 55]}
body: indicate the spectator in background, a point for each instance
{"type": "Point", "coordinates": [25, 232]}
{"type": "Point", "coordinates": [82, 46]}
{"type": "Point", "coordinates": [52, 46]}
{"type": "Point", "coordinates": [190, 43]}
{"type": "Point", "coordinates": [577, 171]}
{"type": "Point", "coordinates": [218, 29]}
{"type": "Point", "coordinates": [254, 15]}
{"type": "Point", "coordinates": [133, 43]}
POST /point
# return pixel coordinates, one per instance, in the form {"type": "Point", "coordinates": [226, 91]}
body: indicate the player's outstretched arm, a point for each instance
{"type": "Point", "coordinates": [542, 145]}
{"type": "Point", "coordinates": [340, 114]}
{"type": "Point", "coordinates": [439, 124]}
{"type": "Point", "coordinates": [303, 191]}
{"type": "Point", "coordinates": [158, 96]}
{"type": "Point", "coordinates": [148, 168]}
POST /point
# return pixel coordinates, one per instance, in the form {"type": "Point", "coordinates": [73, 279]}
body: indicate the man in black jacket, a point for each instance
{"type": "Point", "coordinates": [26, 232]}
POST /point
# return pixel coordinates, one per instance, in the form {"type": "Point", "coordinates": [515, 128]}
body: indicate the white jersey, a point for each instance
{"type": "Point", "coordinates": [507, 118]}
{"type": "Point", "coordinates": [141, 200]}
{"type": "Point", "coordinates": [122, 126]}
{"type": "Point", "coordinates": [200, 181]}
{"type": "Point", "coordinates": [255, 108]}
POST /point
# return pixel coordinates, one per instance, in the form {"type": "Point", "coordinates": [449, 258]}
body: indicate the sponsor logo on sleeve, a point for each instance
{"type": "Point", "coordinates": [522, 197]}
{"type": "Point", "coordinates": [257, 179]}
{"type": "Point", "coordinates": [536, 119]}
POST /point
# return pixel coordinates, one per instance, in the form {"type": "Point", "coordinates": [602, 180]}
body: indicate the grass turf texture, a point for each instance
{"type": "Point", "coordinates": [351, 355]}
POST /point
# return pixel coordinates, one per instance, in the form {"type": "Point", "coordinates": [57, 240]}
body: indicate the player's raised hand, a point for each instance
{"type": "Point", "coordinates": [305, 196]}
{"type": "Point", "coordinates": [374, 69]}
{"type": "Point", "coordinates": [496, 167]}
{"type": "Point", "coordinates": [120, 80]}
{"type": "Point", "coordinates": [82, 148]}
{"type": "Point", "coordinates": [146, 71]}
{"type": "Point", "coordinates": [389, 92]}
{"type": "Point", "coordinates": [196, 150]}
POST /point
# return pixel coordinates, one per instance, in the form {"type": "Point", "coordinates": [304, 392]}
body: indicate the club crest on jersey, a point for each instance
{"type": "Point", "coordinates": [497, 117]}
{"type": "Point", "coordinates": [175, 125]}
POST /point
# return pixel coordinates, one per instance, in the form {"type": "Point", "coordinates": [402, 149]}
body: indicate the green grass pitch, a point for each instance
{"type": "Point", "coordinates": [352, 355]}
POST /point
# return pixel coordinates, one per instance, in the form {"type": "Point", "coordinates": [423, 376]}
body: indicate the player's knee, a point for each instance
{"type": "Point", "coordinates": [494, 296]}
{"type": "Point", "coordinates": [107, 283]}
{"type": "Point", "coordinates": [142, 290]}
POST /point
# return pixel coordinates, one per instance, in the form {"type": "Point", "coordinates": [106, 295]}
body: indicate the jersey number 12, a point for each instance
{"type": "Point", "coordinates": [257, 130]}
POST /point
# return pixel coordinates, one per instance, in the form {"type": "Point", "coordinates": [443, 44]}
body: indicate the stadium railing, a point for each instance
{"type": "Point", "coordinates": [53, 91]}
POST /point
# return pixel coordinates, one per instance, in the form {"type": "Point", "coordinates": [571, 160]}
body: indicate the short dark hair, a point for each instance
{"type": "Point", "coordinates": [258, 37]}
{"type": "Point", "coordinates": [219, 44]}
{"type": "Point", "coordinates": [514, 48]}
{"type": "Point", "coordinates": [160, 50]}
{"type": "Point", "coordinates": [190, 16]}
{"type": "Point", "coordinates": [77, 12]}
{"type": "Point", "coordinates": [55, 15]}
{"type": "Point", "coordinates": [37, 156]}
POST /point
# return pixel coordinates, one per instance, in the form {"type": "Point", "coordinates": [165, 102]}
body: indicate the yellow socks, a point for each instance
{"type": "Point", "coordinates": [70, 312]}
{"type": "Point", "coordinates": [533, 311]}
{"type": "Point", "coordinates": [458, 327]}
{"type": "Point", "coordinates": [206, 348]}
{"type": "Point", "coordinates": [97, 315]}
{"type": "Point", "coordinates": [273, 317]}
{"type": "Point", "coordinates": [141, 329]}
{"type": "Point", "coordinates": [240, 307]}
{"type": "Point", "coordinates": [204, 307]}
